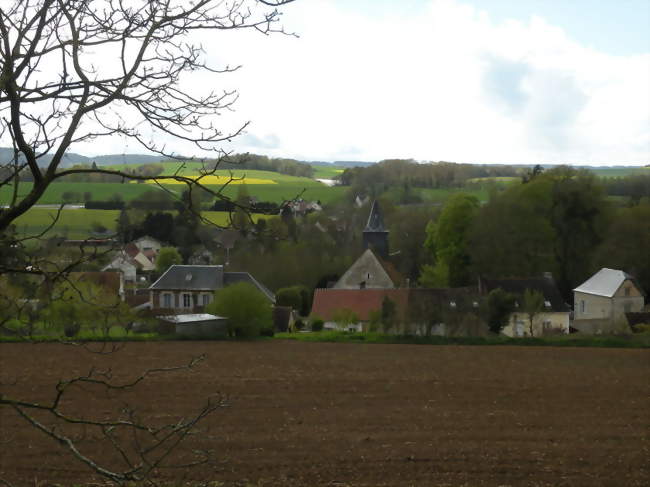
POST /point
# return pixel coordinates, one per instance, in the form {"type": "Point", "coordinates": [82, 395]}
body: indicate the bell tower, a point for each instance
{"type": "Point", "coordinates": [375, 235]}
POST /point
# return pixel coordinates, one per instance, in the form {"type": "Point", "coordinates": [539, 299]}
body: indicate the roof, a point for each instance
{"type": "Point", "coordinates": [205, 278]}
{"type": "Point", "coordinates": [605, 282]}
{"type": "Point", "coordinates": [131, 249]}
{"type": "Point", "coordinates": [368, 261]}
{"type": "Point", "coordinates": [375, 219]}
{"type": "Point", "coordinates": [545, 285]}
{"type": "Point", "coordinates": [395, 275]}
{"type": "Point", "coordinates": [191, 318]}
{"type": "Point", "coordinates": [361, 301]}
{"type": "Point", "coordinates": [447, 299]}
{"type": "Point", "coordinates": [191, 277]}
{"type": "Point", "coordinates": [236, 277]}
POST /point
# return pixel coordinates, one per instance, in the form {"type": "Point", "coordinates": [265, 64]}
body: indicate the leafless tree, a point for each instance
{"type": "Point", "coordinates": [75, 71]}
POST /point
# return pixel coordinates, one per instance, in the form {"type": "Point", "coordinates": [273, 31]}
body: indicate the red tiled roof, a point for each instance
{"type": "Point", "coordinates": [131, 249]}
{"type": "Point", "coordinates": [361, 301]}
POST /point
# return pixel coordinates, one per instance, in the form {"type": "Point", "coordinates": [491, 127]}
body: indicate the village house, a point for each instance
{"type": "Point", "coordinates": [553, 318]}
{"type": "Point", "coordinates": [189, 288]}
{"type": "Point", "coordinates": [600, 303]}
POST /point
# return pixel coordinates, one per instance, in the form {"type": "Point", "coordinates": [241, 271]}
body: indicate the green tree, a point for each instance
{"type": "Point", "coordinates": [298, 297]}
{"type": "Point", "coordinates": [498, 306]}
{"type": "Point", "coordinates": [447, 241]}
{"type": "Point", "coordinates": [123, 227]}
{"type": "Point", "coordinates": [626, 243]}
{"type": "Point", "coordinates": [344, 317]}
{"type": "Point", "coordinates": [512, 234]}
{"type": "Point", "coordinates": [289, 296]}
{"type": "Point", "coordinates": [533, 304]}
{"type": "Point", "coordinates": [167, 257]}
{"type": "Point", "coordinates": [579, 215]}
{"type": "Point", "coordinates": [240, 218]}
{"type": "Point", "coordinates": [248, 311]}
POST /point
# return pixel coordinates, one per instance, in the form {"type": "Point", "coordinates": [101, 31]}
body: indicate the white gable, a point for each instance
{"type": "Point", "coordinates": [605, 282]}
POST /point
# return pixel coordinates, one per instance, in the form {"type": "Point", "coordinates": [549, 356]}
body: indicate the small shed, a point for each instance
{"type": "Point", "coordinates": [200, 325]}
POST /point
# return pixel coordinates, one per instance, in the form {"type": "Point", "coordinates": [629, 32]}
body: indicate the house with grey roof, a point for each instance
{"type": "Point", "coordinates": [600, 303]}
{"type": "Point", "coordinates": [189, 288]}
{"type": "Point", "coordinates": [554, 317]}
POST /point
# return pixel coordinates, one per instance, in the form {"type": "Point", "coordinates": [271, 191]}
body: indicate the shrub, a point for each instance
{"type": "Point", "coordinates": [247, 309]}
{"type": "Point", "coordinates": [317, 324]}
{"type": "Point", "coordinates": [299, 324]}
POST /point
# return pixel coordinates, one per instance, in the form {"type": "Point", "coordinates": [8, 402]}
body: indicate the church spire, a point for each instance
{"type": "Point", "coordinates": [375, 235]}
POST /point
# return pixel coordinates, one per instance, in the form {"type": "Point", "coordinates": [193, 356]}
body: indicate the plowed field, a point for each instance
{"type": "Point", "coordinates": [319, 414]}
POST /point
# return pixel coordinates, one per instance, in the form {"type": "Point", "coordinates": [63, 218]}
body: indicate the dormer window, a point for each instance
{"type": "Point", "coordinates": [547, 303]}
{"type": "Point", "coordinates": [188, 277]}
{"type": "Point", "coordinates": [452, 304]}
{"type": "Point", "coordinates": [475, 304]}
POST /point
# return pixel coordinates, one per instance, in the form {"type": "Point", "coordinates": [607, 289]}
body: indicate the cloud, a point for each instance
{"type": "Point", "coordinates": [270, 141]}
{"type": "Point", "coordinates": [444, 82]}
{"type": "Point", "coordinates": [503, 81]}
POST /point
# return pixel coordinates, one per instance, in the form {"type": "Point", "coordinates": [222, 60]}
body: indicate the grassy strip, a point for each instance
{"type": "Point", "coordinates": [605, 341]}
{"type": "Point", "coordinates": [609, 341]}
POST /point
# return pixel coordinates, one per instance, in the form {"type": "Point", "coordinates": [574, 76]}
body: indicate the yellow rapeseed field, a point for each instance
{"type": "Point", "coordinates": [213, 179]}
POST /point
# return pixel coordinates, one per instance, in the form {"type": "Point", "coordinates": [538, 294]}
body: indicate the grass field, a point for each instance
{"type": "Point", "coordinates": [281, 187]}
{"type": "Point", "coordinates": [77, 223]}
{"type": "Point", "coordinates": [343, 414]}
{"type": "Point", "coordinates": [327, 172]}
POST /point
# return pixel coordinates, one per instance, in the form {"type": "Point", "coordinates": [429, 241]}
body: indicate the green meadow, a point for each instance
{"type": "Point", "coordinates": [275, 187]}
{"type": "Point", "coordinates": [78, 223]}
{"type": "Point", "coordinates": [327, 172]}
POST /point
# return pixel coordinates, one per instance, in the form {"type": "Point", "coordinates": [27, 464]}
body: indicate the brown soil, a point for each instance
{"type": "Point", "coordinates": [359, 415]}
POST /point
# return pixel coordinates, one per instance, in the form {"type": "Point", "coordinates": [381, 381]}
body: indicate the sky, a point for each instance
{"type": "Point", "coordinates": [479, 81]}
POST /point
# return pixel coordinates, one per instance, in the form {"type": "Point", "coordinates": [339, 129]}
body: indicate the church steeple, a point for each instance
{"type": "Point", "coordinates": [375, 235]}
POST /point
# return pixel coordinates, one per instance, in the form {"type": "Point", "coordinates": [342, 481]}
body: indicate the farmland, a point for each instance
{"type": "Point", "coordinates": [265, 185]}
{"type": "Point", "coordinates": [362, 415]}
{"type": "Point", "coordinates": [77, 223]}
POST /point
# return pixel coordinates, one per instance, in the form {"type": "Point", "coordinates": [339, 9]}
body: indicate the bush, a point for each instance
{"type": "Point", "coordinates": [247, 309]}
{"type": "Point", "coordinates": [642, 328]}
{"type": "Point", "coordinates": [299, 324]}
{"type": "Point", "coordinates": [317, 324]}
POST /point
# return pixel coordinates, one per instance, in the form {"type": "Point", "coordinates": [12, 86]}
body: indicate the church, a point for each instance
{"type": "Point", "coordinates": [372, 270]}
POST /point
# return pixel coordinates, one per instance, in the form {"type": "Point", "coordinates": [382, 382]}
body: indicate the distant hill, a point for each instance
{"type": "Point", "coordinates": [341, 163]}
{"type": "Point", "coordinates": [71, 158]}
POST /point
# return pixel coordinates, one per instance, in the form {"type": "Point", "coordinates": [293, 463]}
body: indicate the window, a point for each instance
{"type": "Point", "coordinates": [628, 307]}
{"type": "Point", "coordinates": [368, 276]}
{"type": "Point", "coordinates": [547, 303]}
{"type": "Point", "coordinates": [452, 304]}
{"type": "Point", "coordinates": [627, 291]}
{"type": "Point", "coordinates": [206, 299]}
{"type": "Point", "coordinates": [167, 300]}
{"type": "Point", "coordinates": [187, 300]}
{"type": "Point", "coordinates": [582, 306]}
